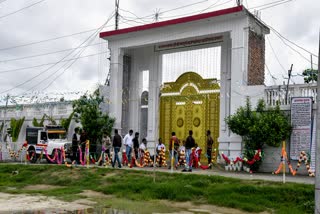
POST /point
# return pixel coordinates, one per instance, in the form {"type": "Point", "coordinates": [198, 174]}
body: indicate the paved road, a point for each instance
{"type": "Point", "coordinates": [240, 175]}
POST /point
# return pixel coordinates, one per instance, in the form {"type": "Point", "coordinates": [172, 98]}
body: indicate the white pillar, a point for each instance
{"type": "Point", "coordinates": [233, 77]}
{"type": "Point", "coordinates": [238, 71]}
{"type": "Point", "coordinates": [155, 76]}
{"type": "Point", "coordinates": [225, 94]}
{"type": "Point", "coordinates": [116, 80]}
{"type": "Point", "coordinates": [135, 91]}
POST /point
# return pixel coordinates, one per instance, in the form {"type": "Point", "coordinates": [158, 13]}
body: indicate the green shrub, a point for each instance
{"type": "Point", "coordinates": [258, 127]}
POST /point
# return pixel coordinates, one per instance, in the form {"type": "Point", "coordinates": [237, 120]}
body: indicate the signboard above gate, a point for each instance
{"type": "Point", "coordinates": [188, 43]}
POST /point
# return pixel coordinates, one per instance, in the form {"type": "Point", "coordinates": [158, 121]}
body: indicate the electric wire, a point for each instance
{"type": "Point", "coordinates": [73, 34]}
{"type": "Point", "coordinates": [57, 76]}
{"type": "Point", "coordinates": [210, 6]}
{"type": "Point", "coordinates": [57, 71]}
{"type": "Point", "coordinates": [275, 55]}
{"type": "Point", "coordinates": [184, 6]}
{"type": "Point", "coordinates": [68, 66]}
{"type": "Point", "coordinates": [286, 41]}
{"type": "Point", "coordinates": [17, 11]}
{"type": "Point", "coordinates": [51, 63]}
{"type": "Point", "coordinates": [127, 23]}
{"type": "Point", "coordinates": [299, 53]}
{"type": "Point", "coordinates": [269, 72]}
{"type": "Point", "coordinates": [46, 70]}
{"type": "Point", "coordinates": [173, 9]}
{"type": "Point", "coordinates": [131, 20]}
{"type": "Point", "coordinates": [293, 43]}
{"type": "Point", "coordinates": [136, 16]}
{"type": "Point", "coordinates": [46, 40]}
{"type": "Point", "coordinates": [61, 73]}
{"type": "Point", "coordinates": [267, 4]}
{"type": "Point", "coordinates": [275, 5]}
{"type": "Point", "coordinates": [51, 39]}
{"type": "Point", "coordinates": [199, 11]}
{"type": "Point", "coordinates": [44, 54]}
{"type": "Point", "coordinates": [179, 15]}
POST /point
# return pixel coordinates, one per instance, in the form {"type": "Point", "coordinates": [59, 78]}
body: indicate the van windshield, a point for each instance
{"type": "Point", "coordinates": [53, 136]}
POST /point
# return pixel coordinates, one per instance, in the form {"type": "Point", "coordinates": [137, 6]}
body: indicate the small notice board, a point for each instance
{"type": "Point", "coordinates": [301, 121]}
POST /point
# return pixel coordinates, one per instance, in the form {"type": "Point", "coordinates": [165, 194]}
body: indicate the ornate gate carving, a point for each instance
{"type": "Point", "coordinates": [190, 103]}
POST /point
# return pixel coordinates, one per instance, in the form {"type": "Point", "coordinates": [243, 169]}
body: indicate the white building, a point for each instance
{"type": "Point", "coordinates": [141, 48]}
{"type": "Point", "coordinates": [56, 110]}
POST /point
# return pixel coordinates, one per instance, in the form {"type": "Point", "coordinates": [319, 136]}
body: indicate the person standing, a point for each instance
{"type": "Point", "coordinates": [75, 144]}
{"type": "Point", "coordinates": [135, 142]}
{"type": "Point", "coordinates": [190, 143]}
{"type": "Point", "coordinates": [160, 146]}
{"type": "Point", "coordinates": [108, 145]}
{"type": "Point", "coordinates": [143, 145]}
{"type": "Point", "coordinates": [105, 147]}
{"type": "Point", "coordinates": [116, 143]}
{"type": "Point", "coordinates": [127, 141]}
{"type": "Point", "coordinates": [173, 148]}
{"type": "Point", "coordinates": [182, 147]}
{"type": "Point", "coordinates": [83, 139]}
{"type": "Point", "coordinates": [209, 147]}
{"type": "Point", "coordinates": [142, 148]}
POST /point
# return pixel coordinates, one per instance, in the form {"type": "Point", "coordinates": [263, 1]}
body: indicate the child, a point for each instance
{"type": "Point", "coordinates": [198, 151]}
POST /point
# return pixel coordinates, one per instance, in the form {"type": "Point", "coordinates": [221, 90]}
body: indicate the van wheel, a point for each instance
{"type": "Point", "coordinates": [32, 155]}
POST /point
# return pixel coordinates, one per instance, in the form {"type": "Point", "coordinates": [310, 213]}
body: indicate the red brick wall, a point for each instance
{"type": "Point", "coordinates": [256, 59]}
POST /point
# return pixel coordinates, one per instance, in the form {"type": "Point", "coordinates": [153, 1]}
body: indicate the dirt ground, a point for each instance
{"type": "Point", "coordinates": [10, 203]}
{"type": "Point", "coordinates": [13, 203]}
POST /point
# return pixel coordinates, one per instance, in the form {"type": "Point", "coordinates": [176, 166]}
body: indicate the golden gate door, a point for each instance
{"type": "Point", "coordinates": [190, 103]}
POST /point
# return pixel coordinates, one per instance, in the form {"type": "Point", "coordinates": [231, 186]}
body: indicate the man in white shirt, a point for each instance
{"type": "Point", "coordinates": [127, 141]}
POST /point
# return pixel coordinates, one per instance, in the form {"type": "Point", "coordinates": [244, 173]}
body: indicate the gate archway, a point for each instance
{"type": "Point", "coordinates": [190, 103]}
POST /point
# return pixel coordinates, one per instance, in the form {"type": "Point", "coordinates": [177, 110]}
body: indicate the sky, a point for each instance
{"type": "Point", "coordinates": [37, 52]}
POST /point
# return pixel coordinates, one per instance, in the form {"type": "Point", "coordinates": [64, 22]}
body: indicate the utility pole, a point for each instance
{"type": "Point", "coordinates": [4, 118]}
{"type": "Point", "coordinates": [289, 76]}
{"type": "Point", "coordinates": [317, 181]}
{"type": "Point", "coordinates": [117, 14]}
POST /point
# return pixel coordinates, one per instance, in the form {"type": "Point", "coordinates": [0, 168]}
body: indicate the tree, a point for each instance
{"type": "Point", "coordinates": [262, 126]}
{"type": "Point", "coordinates": [35, 122]}
{"type": "Point", "coordinates": [16, 127]}
{"type": "Point", "coordinates": [93, 121]}
{"type": "Point", "coordinates": [310, 75]}
{"type": "Point", "coordinates": [65, 123]}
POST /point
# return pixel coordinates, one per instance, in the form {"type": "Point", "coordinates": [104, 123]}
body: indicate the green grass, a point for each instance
{"type": "Point", "coordinates": [247, 195]}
